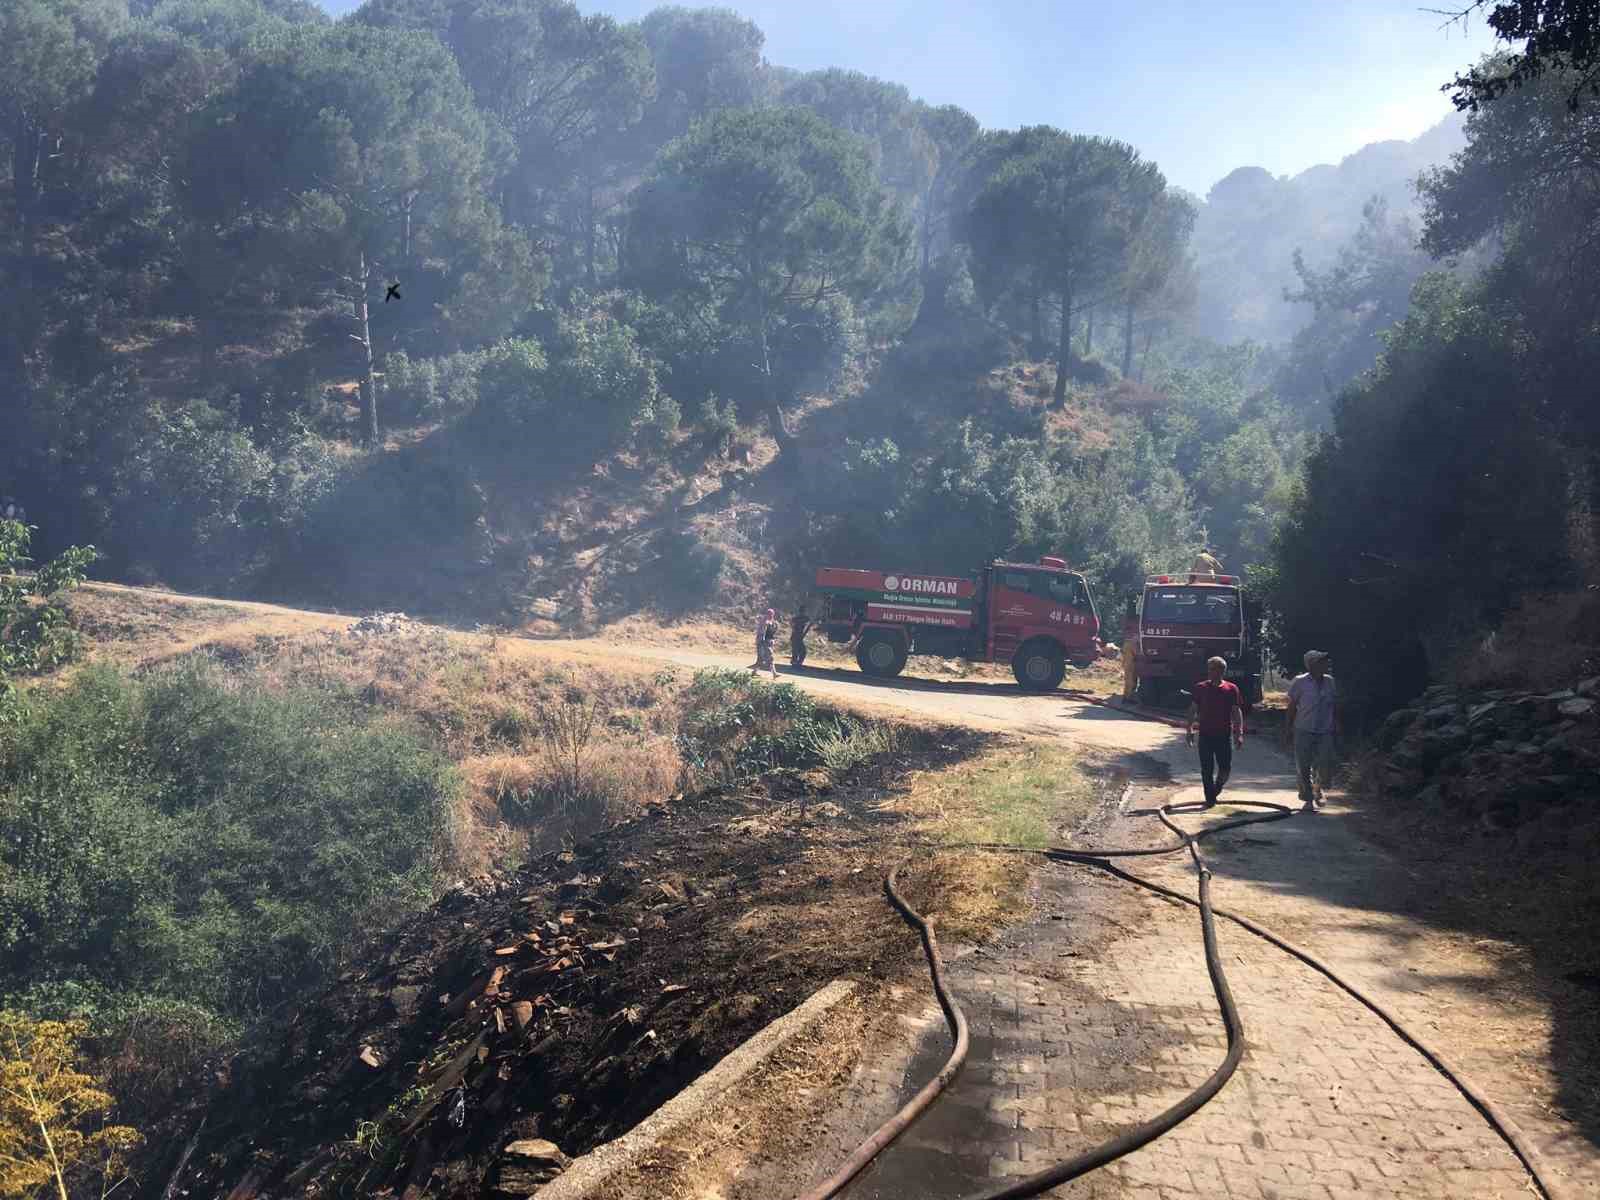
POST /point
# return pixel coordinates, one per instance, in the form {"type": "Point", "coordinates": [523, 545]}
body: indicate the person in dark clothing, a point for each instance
{"type": "Point", "coordinates": [1218, 709]}
{"type": "Point", "coordinates": [797, 636]}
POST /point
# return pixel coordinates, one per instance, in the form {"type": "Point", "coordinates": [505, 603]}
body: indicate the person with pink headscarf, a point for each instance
{"type": "Point", "coordinates": [766, 633]}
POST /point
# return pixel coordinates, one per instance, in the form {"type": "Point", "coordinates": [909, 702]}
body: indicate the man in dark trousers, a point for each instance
{"type": "Point", "coordinates": [797, 636]}
{"type": "Point", "coordinates": [1218, 709]}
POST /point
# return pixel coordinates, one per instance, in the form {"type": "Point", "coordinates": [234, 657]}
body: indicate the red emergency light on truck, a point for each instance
{"type": "Point", "coordinates": [1037, 616]}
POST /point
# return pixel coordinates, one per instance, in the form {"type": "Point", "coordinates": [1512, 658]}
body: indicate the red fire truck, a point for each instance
{"type": "Point", "coordinates": [1038, 616]}
{"type": "Point", "coordinates": [1185, 620]}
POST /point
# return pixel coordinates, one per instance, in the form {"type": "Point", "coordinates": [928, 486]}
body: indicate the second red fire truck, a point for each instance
{"type": "Point", "coordinates": [1039, 617]}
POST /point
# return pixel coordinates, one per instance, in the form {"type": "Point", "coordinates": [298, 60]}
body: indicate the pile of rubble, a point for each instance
{"type": "Point", "coordinates": [1524, 761]}
{"type": "Point", "coordinates": [507, 1015]}
{"type": "Point", "coordinates": [507, 1025]}
{"type": "Point", "coordinates": [379, 624]}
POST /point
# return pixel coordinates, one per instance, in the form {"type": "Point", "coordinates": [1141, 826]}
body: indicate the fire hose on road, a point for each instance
{"type": "Point", "coordinates": [1147, 1131]}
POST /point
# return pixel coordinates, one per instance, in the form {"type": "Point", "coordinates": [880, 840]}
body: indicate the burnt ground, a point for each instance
{"type": "Point", "coordinates": [570, 999]}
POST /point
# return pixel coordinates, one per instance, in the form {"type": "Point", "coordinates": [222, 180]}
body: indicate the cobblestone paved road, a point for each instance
{"type": "Point", "coordinates": [1099, 1014]}
{"type": "Point", "coordinates": [1087, 1023]}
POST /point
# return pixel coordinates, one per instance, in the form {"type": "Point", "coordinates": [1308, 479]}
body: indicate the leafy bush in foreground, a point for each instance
{"type": "Point", "coordinates": [735, 726]}
{"type": "Point", "coordinates": [185, 837]}
{"type": "Point", "coordinates": [49, 1110]}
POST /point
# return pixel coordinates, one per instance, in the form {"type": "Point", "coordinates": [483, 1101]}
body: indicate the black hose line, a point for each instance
{"type": "Point", "coordinates": [954, 1017]}
{"type": "Point", "coordinates": [1148, 1131]}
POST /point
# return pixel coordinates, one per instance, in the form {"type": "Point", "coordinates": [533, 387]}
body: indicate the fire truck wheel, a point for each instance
{"type": "Point", "coordinates": [1152, 691]}
{"type": "Point", "coordinates": [1039, 666]}
{"type": "Point", "coordinates": [880, 654]}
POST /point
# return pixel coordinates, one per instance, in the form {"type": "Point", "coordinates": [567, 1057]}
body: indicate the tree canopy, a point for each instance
{"type": "Point", "coordinates": [348, 156]}
{"type": "Point", "coordinates": [1561, 36]}
{"type": "Point", "coordinates": [1062, 221]}
{"type": "Point", "coordinates": [764, 214]}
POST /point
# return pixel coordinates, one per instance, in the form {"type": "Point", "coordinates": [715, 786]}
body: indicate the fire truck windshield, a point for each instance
{"type": "Point", "coordinates": [1191, 606]}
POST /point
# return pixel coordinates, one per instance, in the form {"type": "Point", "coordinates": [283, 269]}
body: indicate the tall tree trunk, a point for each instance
{"type": "Point", "coordinates": [1127, 339]}
{"type": "Point", "coordinates": [1064, 349]}
{"type": "Point", "coordinates": [927, 230]}
{"type": "Point", "coordinates": [769, 385]}
{"type": "Point", "coordinates": [1088, 332]}
{"type": "Point", "coordinates": [588, 233]}
{"type": "Point", "coordinates": [26, 312]}
{"type": "Point", "coordinates": [27, 151]}
{"type": "Point", "coordinates": [780, 427]}
{"type": "Point", "coordinates": [369, 381]}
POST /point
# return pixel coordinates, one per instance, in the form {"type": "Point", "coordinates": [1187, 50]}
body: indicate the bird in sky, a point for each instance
{"type": "Point", "coordinates": [392, 294]}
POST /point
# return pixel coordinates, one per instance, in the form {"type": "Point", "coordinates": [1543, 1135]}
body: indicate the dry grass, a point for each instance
{"type": "Point", "coordinates": [694, 634]}
{"type": "Point", "coordinates": [1544, 642]}
{"type": "Point", "coordinates": [515, 805]}
{"type": "Point", "coordinates": [1103, 677]}
{"type": "Point", "coordinates": [1014, 793]}
{"type": "Point", "coordinates": [480, 694]}
{"type": "Point", "coordinates": [131, 628]}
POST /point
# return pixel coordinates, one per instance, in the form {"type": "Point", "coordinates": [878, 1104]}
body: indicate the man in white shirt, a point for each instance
{"type": "Point", "coordinates": [1313, 724]}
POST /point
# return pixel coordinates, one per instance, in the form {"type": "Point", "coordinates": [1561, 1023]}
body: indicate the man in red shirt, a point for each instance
{"type": "Point", "coordinates": [1218, 707]}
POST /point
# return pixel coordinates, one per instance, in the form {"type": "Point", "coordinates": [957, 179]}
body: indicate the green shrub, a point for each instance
{"type": "Point", "coordinates": [146, 1047]}
{"type": "Point", "coordinates": [186, 837]}
{"type": "Point", "coordinates": [429, 388]}
{"type": "Point", "coordinates": [666, 415]}
{"type": "Point", "coordinates": [592, 391]}
{"type": "Point", "coordinates": [183, 492]}
{"type": "Point", "coordinates": [735, 726]}
{"type": "Point", "coordinates": [387, 505]}
{"type": "Point", "coordinates": [35, 634]}
{"type": "Point", "coordinates": [854, 743]}
{"type": "Point", "coordinates": [718, 421]}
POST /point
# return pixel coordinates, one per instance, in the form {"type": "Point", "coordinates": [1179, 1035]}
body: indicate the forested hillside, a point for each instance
{"type": "Point", "coordinates": [502, 312]}
{"type": "Point", "coordinates": [1446, 522]}
{"type": "Point", "coordinates": [510, 315]}
{"type": "Point", "coordinates": [618, 254]}
{"type": "Point", "coordinates": [1252, 225]}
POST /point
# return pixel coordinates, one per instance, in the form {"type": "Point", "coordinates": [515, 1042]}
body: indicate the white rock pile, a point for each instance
{"type": "Point", "coordinates": [381, 624]}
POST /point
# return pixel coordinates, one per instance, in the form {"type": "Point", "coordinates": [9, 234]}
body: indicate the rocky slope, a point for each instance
{"type": "Point", "coordinates": [1527, 762]}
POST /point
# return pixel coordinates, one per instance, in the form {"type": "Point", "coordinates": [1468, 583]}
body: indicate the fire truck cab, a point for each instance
{"type": "Point", "coordinates": [1183, 621]}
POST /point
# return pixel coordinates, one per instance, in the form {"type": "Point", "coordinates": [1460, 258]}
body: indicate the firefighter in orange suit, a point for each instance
{"type": "Point", "coordinates": [1130, 641]}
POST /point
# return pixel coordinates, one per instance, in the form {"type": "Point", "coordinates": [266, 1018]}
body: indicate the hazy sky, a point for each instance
{"type": "Point", "coordinates": [1200, 88]}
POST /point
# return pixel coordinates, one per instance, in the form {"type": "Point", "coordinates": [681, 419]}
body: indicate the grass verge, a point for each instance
{"type": "Point", "coordinates": [1013, 792]}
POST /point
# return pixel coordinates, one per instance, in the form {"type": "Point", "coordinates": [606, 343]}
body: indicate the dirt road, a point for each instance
{"type": "Point", "coordinates": [994, 707]}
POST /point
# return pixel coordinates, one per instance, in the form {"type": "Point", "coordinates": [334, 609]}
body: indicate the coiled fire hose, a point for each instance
{"type": "Point", "coordinates": [1144, 1133]}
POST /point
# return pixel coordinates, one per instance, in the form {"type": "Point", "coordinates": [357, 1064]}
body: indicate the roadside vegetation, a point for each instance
{"type": "Point", "coordinates": [1443, 528]}
{"type": "Point", "coordinates": [1030, 794]}
{"type": "Point", "coordinates": [200, 834]}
